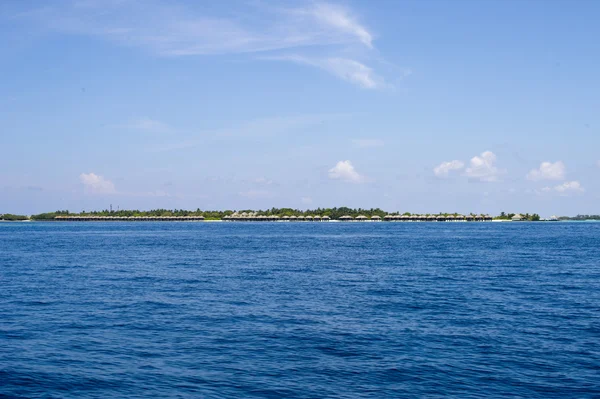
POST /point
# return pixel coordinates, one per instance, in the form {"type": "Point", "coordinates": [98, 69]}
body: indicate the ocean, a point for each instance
{"type": "Point", "coordinates": [299, 310]}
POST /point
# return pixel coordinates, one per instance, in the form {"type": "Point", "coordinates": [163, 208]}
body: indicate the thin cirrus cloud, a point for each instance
{"type": "Point", "coordinates": [174, 30]}
{"type": "Point", "coordinates": [344, 171]}
{"type": "Point", "coordinates": [548, 171]}
{"type": "Point", "coordinates": [343, 68]}
{"type": "Point", "coordinates": [338, 17]}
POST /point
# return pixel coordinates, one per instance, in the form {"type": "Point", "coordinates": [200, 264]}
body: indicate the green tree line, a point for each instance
{"type": "Point", "coordinates": [534, 217]}
{"type": "Point", "coordinates": [333, 213]}
{"type": "Point", "coordinates": [10, 216]}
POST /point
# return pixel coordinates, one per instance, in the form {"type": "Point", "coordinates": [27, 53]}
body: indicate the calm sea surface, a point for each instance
{"type": "Point", "coordinates": [299, 310]}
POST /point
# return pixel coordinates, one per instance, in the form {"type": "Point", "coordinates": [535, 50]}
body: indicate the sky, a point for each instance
{"type": "Point", "coordinates": [411, 106]}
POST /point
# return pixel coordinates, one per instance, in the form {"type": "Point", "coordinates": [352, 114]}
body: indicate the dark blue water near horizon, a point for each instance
{"type": "Point", "coordinates": [311, 310]}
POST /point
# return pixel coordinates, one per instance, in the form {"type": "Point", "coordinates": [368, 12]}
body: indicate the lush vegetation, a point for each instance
{"type": "Point", "coordinates": [334, 213]}
{"type": "Point", "coordinates": [534, 217]}
{"type": "Point", "coordinates": [51, 215]}
{"type": "Point", "coordinates": [9, 216]}
{"type": "Point", "coordinates": [580, 217]}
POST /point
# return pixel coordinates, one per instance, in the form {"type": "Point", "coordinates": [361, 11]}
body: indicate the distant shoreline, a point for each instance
{"type": "Point", "coordinates": [318, 215]}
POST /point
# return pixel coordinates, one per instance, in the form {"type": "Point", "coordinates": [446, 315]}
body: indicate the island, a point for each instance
{"type": "Point", "coordinates": [273, 214]}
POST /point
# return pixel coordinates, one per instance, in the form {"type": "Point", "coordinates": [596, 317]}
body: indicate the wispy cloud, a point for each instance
{"type": "Point", "coordinates": [170, 28]}
{"type": "Point", "coordinates": [335, 16]}
{"type": "Point", "coordinates": [343, 68]}
{"type": "Point", "coordinates": [173, 29]}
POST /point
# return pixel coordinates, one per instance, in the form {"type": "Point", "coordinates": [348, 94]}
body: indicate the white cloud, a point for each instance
{"type": "Point", "coordinates": [173, 29]}
{"type": "Point", "coordinates": [343, 68]}
{"type": "Point", "coordinates": [344, 170]}
{"type": "Point", "coordinates": [367, 143]}
{"type": "Point", "coordinates": [483, 167]}
{"type": "Point", "coordinates": [443, 169]}
{"type": "Point", "coordinates": [548, 171]}
{"type": "Point", "coordinates": [306, 200]}
{"type": "Point", "coordinates": [96, 184]}
{"type": "Point", "coordinates": [340, 18]}
{"type": "Point", "coordinates": [570, 187]}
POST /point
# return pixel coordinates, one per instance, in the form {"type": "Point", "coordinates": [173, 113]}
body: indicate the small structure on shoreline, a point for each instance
{"type": "Point", "coordinates": [129, 218]}
{"type": "Point", "coordinates": [256, 217]}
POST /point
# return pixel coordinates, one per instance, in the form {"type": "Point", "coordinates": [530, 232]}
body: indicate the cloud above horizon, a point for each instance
{"type": "Point", "coordinates": [548, 171]}
{"type": "Point", "coordinates": [444, 169]}
{"type": "Point", "coordinates": [171, 29]}
{"type": "Point", "coordinates": [346, 69]}
{"type": "Point", "coordinates": [483, 168]}
{"type": "Point", "coordinates": [96, 184]}
{"type": "Point", "coordinates": [567, 188]}
{"type": "Point", "coordinates": [344, 170]}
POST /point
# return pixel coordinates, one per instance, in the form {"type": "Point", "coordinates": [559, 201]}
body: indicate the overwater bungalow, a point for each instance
{"type": "Point", "coordinates": [376, 218]}
{"type": "Point", "coordinates": [325, 218]}
{"type": "Point", "coordinates": [346, 218]}
{"type": "Point", "coordinates": [361, 218]}
{"type": "Point", "coordinates": [92, 218]}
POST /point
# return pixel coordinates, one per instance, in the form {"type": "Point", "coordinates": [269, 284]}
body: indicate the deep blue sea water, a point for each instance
{"type": "Point", "coordinates": [299, 310]}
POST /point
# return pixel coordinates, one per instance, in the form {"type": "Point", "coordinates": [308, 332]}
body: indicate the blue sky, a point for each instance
{"type": "Point", "coordinates": [421, 106]}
